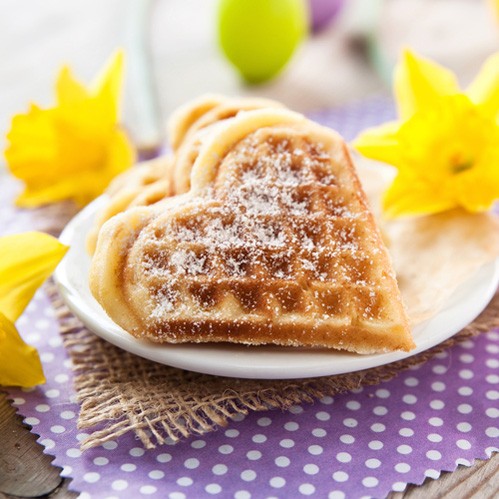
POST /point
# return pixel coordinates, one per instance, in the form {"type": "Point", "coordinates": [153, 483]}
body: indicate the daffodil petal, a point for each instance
{"type": "Point", "coordinates": [484, 90]}
{"type": "Point", "coordinates": [26, 260]}
{"type": "Point", "coordinates": [68, 89]}
{"type": "Point", "coordinates": [108, 83]}
{"type": "Point", "coordinates": [380, 143]}
{"type": "Point", "coordinates": [419, 82]}
{"type": "Point", "coordinates": [20, 364]}
{"type": "Point", "coordinates": [407, 196]}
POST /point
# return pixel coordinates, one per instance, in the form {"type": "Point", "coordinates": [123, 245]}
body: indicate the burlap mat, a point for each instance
{"type": "Point", "coordinates": [121, 393]}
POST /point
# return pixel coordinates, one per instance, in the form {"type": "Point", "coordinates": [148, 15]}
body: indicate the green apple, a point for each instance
{"type": "Point", "coordinates": [259, 36]}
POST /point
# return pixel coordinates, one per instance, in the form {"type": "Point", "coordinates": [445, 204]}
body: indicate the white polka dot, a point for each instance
{"type": "Point", "coordinates": [411, 382]}
{"type": "Point", "coordinates": [463, 427]}
{"type": "Point", "coordinates": [231, 433]}
{"type": "Point", "coordinates": [148, 489]}
{"type": "Point", "coordinates": [101, 461]}
{"type": "Point", "coordinates": [370, 481]}
{"type": "Point", "coordinates": [438, 386]}
{"type": "Point", "coordinates": [47, 357]}
{"type": "Point", "coordinates": [57, 429]}
{"type": "Point", "coordinates": [67, 414]}
{"type": "Point", "coordinates": [439, 369]}
{"type": "Point", "coordinates": [464, 408]}
{"type": "Point", "coordinates": [340, 476]}
{"type": "Point", "coordinates": [375, 445]}
{"type": "Point", "coordinates": [282, 461]}
{"type": "Point", "coordinates": [319, 432]}
{"type": "Point", "coordinates": [347, 439]}
{"type": "Point", "coordinates": [434, 455]}
{"type": "Point", "coordinates": [242, 494]}
{"type": "Point", "coordinates": [91, 477]}
{"type": "Point", "coordinates": [219, 469]}
{"type": "Point", "coordinates": [198, 444]}
{"type": "Point", "coordinates": [253, 455]}
{"type": "Point", "coordinates": [42, 408]}
{"type": "Point", "coordinates": [492, 394]}
{"type": "Point", "coordinates": [467, 344]}
{"type": "Point", "coordinates": [467, 358]}
{"type": "Point", "coordinates": [492, 348]}
{"type": "Point", "coordinates": [32, 421]}
{"type": "Point", "coordinates": [323, 416]}
{"type": "Point", "coordinates": [248, 475]}
{"type": "Point", "coordinates": [55, 342]}
{"type": "Point", "coordinates": [430, 473]}
{"type": "Point", "coordinates": [466, 374]}
{"type": "Point", "coordinates": [493, 379]}
{"type": "Point", "coordinates": [306, 489]}
{"type": "Point", "coordinates": [406, 432]}
{"type": "Point", "coordinates": [259, 438]}
{"type": "Point", "coordinates": [436, 421]}
{"type": "Point", "coordinates": [191, 463]}
{"type": "Point", "coordinates": [291, 426]}
{"type": "Point", "coordinates": [82, 436]}
{"type": "Point", "coordinates": [402, 468]}
{"type": "Point", "coordinates": [408, 415]}
{"type": "Point", "coordinates": [382, 393]}
{"type": "Point", "coordinates": [111, 445]}
{"type": "Point", "coordinates": [462, 461]}
{"type": "Point", "coordinates": [404, 449]}
{"type": "Point", "coordinates": [437, 404]}
{"type": "Point", "coordinates": [380, 410]}
{"type": "Point", "coordinates": [315, 450]}
{"type": "Point", "coordinates": [399, 486]}
{"type": "Point", "coordinates": [465, 391]}
{"type": "Point", "coordinates": [492, 363]}
{"type": "Point", "coordinates": [296, 409]}
{"type": "Point", "coordinates": [53, 393]}
{"type": "Point", "coordinates": [378, 427]}
{"type": "Point", "coordinates": [327, 400]}
{"type": "Point", "coordinates": [119, 485]}
{"type": "Point", "coordinates": [373, 463]}
{"type": "Point", "coordinates": [61, 378]}
{"type": "Point", "coordinates": [336, 494]}
{"type": "Point", "coordinates": [492, 412]}
{"type": "Point", "coordinates": [156, 474]}
{"type": "Point", "coordinates": [128, 467]}
{"type": "Point", "coordinates": [434, 437]}
{"type": "Point", "coordinates": [48, 443]}
{"type": "Point", "coordinates": [136, 452]}
{"type": "Point", "coordinates": [311, 469]}
{"type": "Point", "coordinates": [264, 422]}
{"type": "Point", "coordinates": [350, 422]}
{"type": "Point", "coordinates": [463, 444]}
{"type": "Point", "coordinates": [343, 457]}
{"type": "Point", "coordinates": [73, 452]}
{"type": "Point", "coordinates": [213, 488]}
{"type": "Point", "coordinates": [353, 405]}
{"type": "Point", "coordinates": [277, 482]}
{"type": "Point", "coordinates": [18, 401]}
{"type": "Point", "coordinates": [227, 449]}
{"type": "Point", "coordinates": [492, 432]}
{"type": "Point", "coordinates": [164, 458]}
{"type": "Point", "coordinates": [409, 399]}
{"type": "Point", "coordinates": [184, 481]}
{"type": "Point", "coordinates": [287, 443]}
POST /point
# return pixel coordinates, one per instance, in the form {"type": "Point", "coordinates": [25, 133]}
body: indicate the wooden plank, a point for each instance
{"type": "Point", "coordinates": [24, 470]}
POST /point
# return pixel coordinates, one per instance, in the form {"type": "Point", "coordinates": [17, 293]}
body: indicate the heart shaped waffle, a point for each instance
{"type": "Point", "coordinates": [274, 243]}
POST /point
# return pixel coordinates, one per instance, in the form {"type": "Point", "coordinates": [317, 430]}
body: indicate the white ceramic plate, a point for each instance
{"type": "Point", "coordinates": [270, 362]}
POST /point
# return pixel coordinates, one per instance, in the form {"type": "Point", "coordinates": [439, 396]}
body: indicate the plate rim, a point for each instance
{"type": "Point", "coordinates": [213, 366]}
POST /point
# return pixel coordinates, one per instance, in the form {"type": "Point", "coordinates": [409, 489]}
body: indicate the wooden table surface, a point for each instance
{"type": "Point", "coordinates": [330, 69]}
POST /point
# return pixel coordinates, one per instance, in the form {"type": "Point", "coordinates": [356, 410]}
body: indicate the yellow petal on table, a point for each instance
{"type": "Point", "coordinates": [380, 143]}
{"type": "Point", "coordinates": [484, 89]}
{"type": "Point", "coordinates": [26, 260]}
{"type": "Point", "coordinates": [419, 83]}
{"type": "Point", "coordinates": [20, 364]}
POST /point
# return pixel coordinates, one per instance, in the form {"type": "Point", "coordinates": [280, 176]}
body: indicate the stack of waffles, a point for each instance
{"type": "Point", "coordinates": [254, 230]}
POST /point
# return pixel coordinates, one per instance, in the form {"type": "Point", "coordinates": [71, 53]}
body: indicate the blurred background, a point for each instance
{"type": "Point", "coordinates": [173, 51]}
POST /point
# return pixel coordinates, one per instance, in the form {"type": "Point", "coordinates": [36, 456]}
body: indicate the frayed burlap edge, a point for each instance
{"type": "Point", "coordinates": [121, 393]}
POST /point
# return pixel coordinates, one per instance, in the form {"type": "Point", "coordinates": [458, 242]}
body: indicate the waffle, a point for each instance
{"type": "Point", "coordinates": [142, 185]}
{"type": "Point", "coordinates": [208, 112]}
{"type": "Point", "coordinates": [273, 244]}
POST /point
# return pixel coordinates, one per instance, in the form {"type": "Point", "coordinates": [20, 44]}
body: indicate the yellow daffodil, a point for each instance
{"type": "Point", "coordinates": [74, 149]}
{"type": "Point", "coordinates": [445, 145]}
{"type": "Point", "coordinates": [26, 260]}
